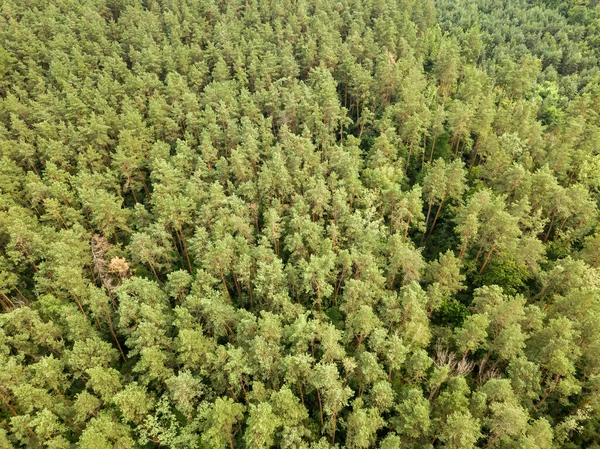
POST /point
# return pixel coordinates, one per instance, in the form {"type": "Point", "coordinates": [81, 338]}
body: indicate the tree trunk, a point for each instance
{"type": "Point", "coordinates": [406, 231]}
{"type": "Point", "coordinates": [114, 335]}
{"type": "Point", "coordinates": [146, 189]}
{"type": "Point", "coordinates": [562, 224]}
{"type": "Point", "coordinates": [487, 259]}
{"type": "Point", "coordinates": [432, 148]}
{"type": "Point", "coordinates": [224, 283]}
{"type": "Point", "coordinates": [437, 214]}
{"type": "Point", "coordinates": [8, 301]}
{"type": "Point", "coordinates": [456, 149]}
{"type": "Point", "coordinates": [185, 251]}
{"type": "Point", "coordinates": [474, 154]}
{"type": "Point", "coordinates": [410, 149]}
{"type": "Point", "coordinates": [333, 427]}
{"type": "Point", "coordinates": [547, 236]}
{"type": "Point", "coordinates": [478, 253]}
{"type": "Point", "coordinates": [301, 392]}
{"type": "Point", "coordinates": [483, 363]}
{"type": "Point", "coordinates": [320, 409]}
{"type": "Point", "coordinates": [339, 284]}
{"type": "Point", "coordinates": [8, 406]}
{"type": "Point", "coordinates": [463, 249]}
{"type": "Point", "coordinates": [251, 294]}
{"type": "Point", "coordinates": [238, 288]}
{"type": "Point", "coordinates": [424, 149]}
{"type": "Point", "coordinates": [426, 222]}
{"type": "Point", "coordinates": [133, 192]}
{"type": "Point", "coordinates": [154, 271]}
{"type": "Point", "coordinates": [548, 391]}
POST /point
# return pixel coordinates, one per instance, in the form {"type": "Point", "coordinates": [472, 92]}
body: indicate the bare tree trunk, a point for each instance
{"type": "Point", "coordinates": [487, 259]}
{"type": "Point", "coordinates": [463, 248]}
{"type": "Point", "coordinates": [154, 271]}
{"type": "Point", "coordinates": [8, 406]}
{"type": "Point", "coordinates": [406, 231]}
{"type": "Point", "coordinates": [114, 335]}
{"type": "Point", "coordinates": [474, 154]}
{"type": "Point", "coordinates": [483, 363]}
{"type": "Point", "coordinates": [426, 223]}
{"type": "Point", "coordinates": [478, 253]}
{"type": "Point", "coordinates": [456, 149]}
{"type": "Point", "coordinates": [432, 148]}
{"type": "Point", "coordinates": [224, 283]}
{"type": "Point", "coordinates": [185, 251]}
{"type": "Point", "coordinates": [12, 304]}
{"type": "Point", "coordinates": [424, 149]}
{"type": "Point", "coordinates": [437, 214]}
{"type": "Point", "coordinates": [320, 409]}
{"type": "Point", "coordinates": [549, 390]}
{"type": "Point", "coordinates": [547, 236]}
{"type": "Point", "coordinates": [410, 149]}
{"type": "Point", "coordinates": [333, 427]}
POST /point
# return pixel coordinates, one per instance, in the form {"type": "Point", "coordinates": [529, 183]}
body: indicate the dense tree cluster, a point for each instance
{"type": "Point", "coordinates": [299, 224]}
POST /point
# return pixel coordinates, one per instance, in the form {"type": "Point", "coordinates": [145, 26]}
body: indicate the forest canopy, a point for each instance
{"type": "Point", "coordinates": [300, 224]}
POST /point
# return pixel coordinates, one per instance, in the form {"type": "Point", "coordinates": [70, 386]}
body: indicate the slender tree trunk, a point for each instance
{"type": "Point", "coordinates": [437, 214]}
{"type": "Point", "coordinates": [9, 301]}
{"type": "Point", "coordinates": [463, 249]}
{"type": "Point", "coordinates": [319, 298]}
{"type": "Point", "coordinates": [25, 300]}
{"type": "Point", "coordinates": [29, 258]}
{"type": "Point", "coordinates": [80, 306]}
{"type": "Point", "coordinates": [479, 253]}
{"type": "Point", "coordinates": [5, 306]}
{"type": "Point", "coordinates": [432, 148]}
{"type": "Point", "coordinates": [144, 185]}
{"type": "Point", "coordinates": [345, 95]}
{"type": "Point", "coordinates": [495, 364]}
{"type": "Point", "coordinates": [224, 283]}
{"type": "Point", "coordinates": [549, 390]}
{"type": "Point", "coordinates": [474, 154]}
{"type": "Point", "coordinates": [320, 409]}
{"type": "Point", "coordinates": [333, 427]}
{"type": "Point", "coordinates": [176, 242]}
{"type": "Point", "coordinates": [114, 335]}
{"type": "Point", "coordinates": [238, 289]}
{"type": "Point", "coordinates": [8, 406]}
{"type": "Point", "coordinates": [547, 236]}
{"type": "Point", "coordinates": [339, 284]}
{"type": "Point", "coordinates": [301, 392]}
{"type": "Point", "coordinates": [487, 259]}
{"type": "Point", "coordinates": [251, 291]}
{"type": "Point", "coordinates": [410, 149]}
{"type": "Point", "coordinates": [424, 150]}
{"type": "Point", "coordinates": [185, 251]}
{"type": "Point", "coordinates": [426, 222]}
{"type": "Point", "coordinates": [360, 340]}
{"type": "Point", "coordinates": [406, 231]}
{"type": "Point", "coordinates": [132, 190]}
{"type": "Point", "coordinates": [456, 149]}
{"type": "Point", "coordinates": [154, 271]}
{"type": "Point", "coordinates": [483, 363]}
{"type": "Point", "coordinates": [562, 224]}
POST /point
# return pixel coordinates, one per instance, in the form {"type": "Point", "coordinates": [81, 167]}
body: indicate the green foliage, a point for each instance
{"type": "Point", "coordinates": [299, 224]}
